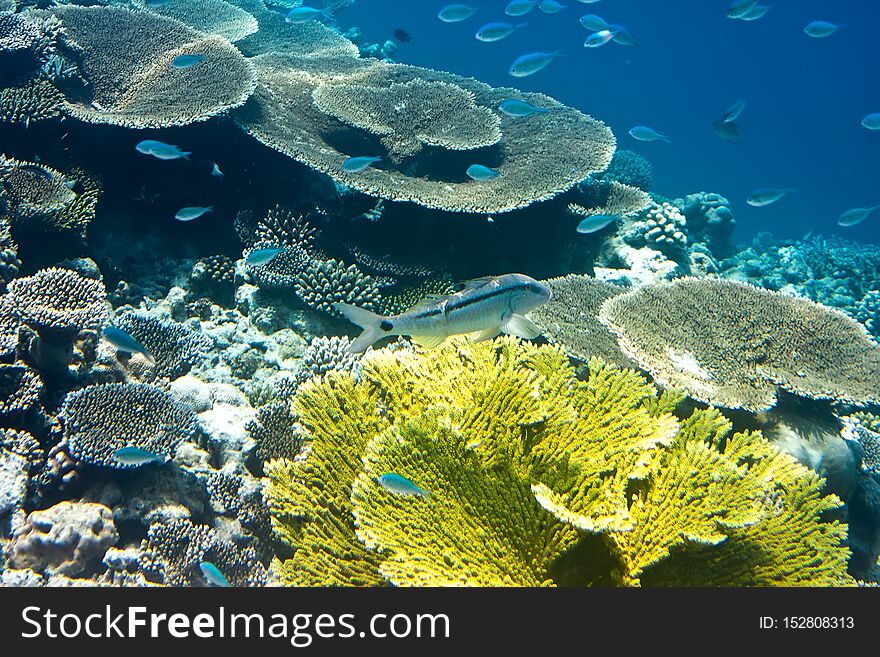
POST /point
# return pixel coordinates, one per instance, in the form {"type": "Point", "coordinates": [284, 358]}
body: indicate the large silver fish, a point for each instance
{"type": "Point", "coordinates": [486, 306]}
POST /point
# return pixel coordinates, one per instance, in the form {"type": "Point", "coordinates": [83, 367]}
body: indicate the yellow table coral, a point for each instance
{"type": "Point", "coordinates": [535, 477]}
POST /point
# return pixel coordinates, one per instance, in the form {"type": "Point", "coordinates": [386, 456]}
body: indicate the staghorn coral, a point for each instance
{"type": "Point", "coordinates": [20, 390]}
{"type": "Point", "coordinates": [35, 100]}
{"type": "Point", "coordinates": [214, 276]}
{"type": "Point", "coordinates": [276, 431]}
{"type": "Point", "coordinates": [537, 159]}
{"type": "Point", "coordinates": [571, 318]}
{"type": "Point", "coordinates": [534, 477]}
{"type": "Point", "coordinates": [29, 33]}
{"type": "Point", "coordinates": [861, 429]}
{"type": "Point", "coordinates": [734, 345]}
{"type": "Point", "coordinates": [78, 214]}
{"type": "Point", "coordinates": [9, 269]}
{"type": "Point", "coordinates": [174, 548]}
{"type": "Point", "coordinates": [210, 17]}
{"type": "Point", "coordinates": [126, 57]}
{"type": "Point", "coordinates": [281, 226]}
{"type": "Point", "coordinates": [326, 282]}
{"type": "Point", "coordinates": [67, 538]}
{"type": "Point", "coordinates": [330, 354]}
{"type": "Point", "coordinates": [9, 324]}
{"type": "Point", "coordinates": [174, 347]}
{"type": "Point", "coordinates": [410, 115]}
{"type": "Point", "coordinates": [98, 420]}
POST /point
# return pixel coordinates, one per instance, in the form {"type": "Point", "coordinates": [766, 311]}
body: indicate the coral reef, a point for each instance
{"type": "Point", "coordinates": [629, 168]}
{"type": "Point", "coordinates": [524, 472]}
{"type": "Point", "coordinates": [99, 420]}
{"type": "Point", "coordinates": [210, 17]}
{"type": "Point", "coordinates": [174, 347]}
{"type": "Point", "coordinates": [530, 160]}
{"type": "Point", "coordinates": [750, 343]}
{"type": "Point", "coordinates": [126, 58]}
{"type": "Point", "coordinates": [36, 100]}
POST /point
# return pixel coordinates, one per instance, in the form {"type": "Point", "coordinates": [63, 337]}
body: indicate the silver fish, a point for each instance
{"type": "Point", "coordinates": [872, 121]}
{"type": "Point", "coordinates": [594, 23]}
{"type": "Point", "coordinates": [595, 223]}
{"type": "Point", "coordinates": [520, 7]}
{"type": "Point", "coordinates": [486, 306]}
{"type": "Point", "coordinates": [732, 113]}
{"type": "Point", "coordinates": [496, 31]}
{"type": "Point", "coordinates": [739, 8]}
{"type": "Point", "coordinates": [192, 212]}
{"type": "Point", "coordinates": [856, 215]}
{"type": "Point", "coordinates": [456, 13]}
{"type": "Point", "coordinates": [551, 6]}
{"type": "Point", "coordinates": [767, 195]}
{"type": "Point", "coordinates": [531, 63]}
{"type": "Point", "coordinates": [819, 29]}
{"type": "Point", "coordinates": [598, 39]}
{"type": "Point", "coordinates": [756, 12]}
{"type": "Point", "coordinates": [644, 133]}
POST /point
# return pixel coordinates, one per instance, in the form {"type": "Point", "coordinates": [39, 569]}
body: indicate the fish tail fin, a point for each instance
{"type": "Point", "coordinates": [185, 154]}
{"type": "Point", "coordinates": [521, 25]}
{"type": "Point", "coordinates": [367, 320]}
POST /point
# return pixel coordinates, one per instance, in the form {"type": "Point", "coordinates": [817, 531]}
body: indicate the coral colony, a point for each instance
{"type": "Point", "coordinates": [674, 409]}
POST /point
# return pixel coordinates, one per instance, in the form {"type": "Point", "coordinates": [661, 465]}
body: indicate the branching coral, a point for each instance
{"type": "Point", "coordinates": [536, 159]}
{"type": "Point", "coordinates": [174, 348]}
{"type": "Point", "coordinates": [20, 389]}
{"type": "Point", "coordinates": [734, 345]}
{"type": "Point", "coordinates": [127, 56]}
{"type": "Point", "coordinates": [59, 301]}
{"type": "Point", "coordinates": [276, 432]}
{"type": "Point", "coordinates": [35, 100]}
{"type": "Point", "coordinates": [327, 282]}
{"type": "Point", "coordinates": [604, 197]}
{"type": "Point", "coordinates": [530, 476]}
{"type": "Point", "coordinates": [629, 168]}
{"type": "Point", "coordinates": [571, 318]}
{"type": "Point", "coordinates": [410, 115]}
{"type": "Point", "coordinates": [98, 420]}
{"type": "Point", "coordinates": [31, 191]}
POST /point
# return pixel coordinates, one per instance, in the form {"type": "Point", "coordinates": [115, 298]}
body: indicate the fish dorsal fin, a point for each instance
{"type": "Point", "coordinates": [429, 300]}
{"type": "Point", "coordinates": [428, 341]}
{"type": "Point", "coordinates": [474, 283]}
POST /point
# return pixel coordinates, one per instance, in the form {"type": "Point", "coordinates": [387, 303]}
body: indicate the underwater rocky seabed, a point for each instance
{"type": "Point", "coordinates": [696, 413]}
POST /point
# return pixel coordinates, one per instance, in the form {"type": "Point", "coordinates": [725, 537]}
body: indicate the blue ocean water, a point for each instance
{"type": "Point", "coordinates": [806, 96]}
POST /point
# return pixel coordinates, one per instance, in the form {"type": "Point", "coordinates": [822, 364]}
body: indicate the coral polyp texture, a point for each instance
{"type": "Point", "coordinates": [127, 56]}
{"type": "Point", "coordinates": [522, 474]}
{"type": "Point", "coordinates": [99, 420]}
{"type": "Point", "coordinates": [410, 115]}
{"type": "Point", "coordinates": [210, 17]}
{"type": "Point", "coordinates": [174, 348]}
{"type": "Point", "coordinates": [59, 300]}
{"type": "Point", "coordinates": [735, 345]}
{"type": "Point", "coordinates": [36, 100]}
{"type": "Point", "coordinates": [535, 159]}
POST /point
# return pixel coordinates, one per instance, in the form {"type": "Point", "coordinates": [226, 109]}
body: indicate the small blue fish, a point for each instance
{"type": "Point", "coordinates": [480, 173]}
{"type": "Point", "coordinates": [124, 342]}
{"type": "Point", "coordinates": [193, 212]}
{"type": "Point", "coordinates": [595, 223]}
{"type": "Point", "coordinates": [594, 23]}
{"type": "Point", "coordinates": [756, 12]}
{"type": "Point", "coordinates": [456, 13]}
{"type": "Point", "coordinates": [213, 574]}
{"type": "Point", "coordinates": [598, 39]}
{"type": "Point", "coordinates": [215, 170]}
{"type": "Point", "coordinates": [551, 6]}
{"type": "Point", "coordinates": [856, 215]}
{"type": "Point", "coordinates": [819, 29]}
{"type": "Point", "coordinates": [621, 35]}
{"type": "Point", "coordinates": [185, 61]}
{"type": "Point", "coordinates": [137, 456]}
{"type": "Point", "coordinates": [262, 256]}
{"type": "Point", "coordinates": [358, 164]}
{"type": "Point", "coordinates": [644, 133]}
{"type": "Point", "coordinates": [739, 8]}
{"type": "Point", "coordinates": [531, 63]}
{"type": "Point", "coordinates": [732, 113]}
{"type": "Point", "coordinates": [519, 108]}
{"type": "Point", "coordinates": [161, 150]}
{"type": "Point", "coordinates": [304, 14]}
{"type": "Point", "coordinates": [767, 195]}
{"type": "Point", "coordinates": [496, 31]}
{"type": "Point", "coordinates": [394, 483]}
{"type": "Point", "coordinates": [520, 7]}
{"type": "Point", "coordinates": [872, 121]}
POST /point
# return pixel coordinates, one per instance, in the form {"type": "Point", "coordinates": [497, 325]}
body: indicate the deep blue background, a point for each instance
{"type": "Point", "coordinates": [801, 127]}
